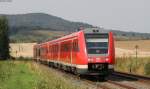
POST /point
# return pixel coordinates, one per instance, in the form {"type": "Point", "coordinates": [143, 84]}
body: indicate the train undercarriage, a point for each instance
{"type": "Point", "coordinates": [92, 69]}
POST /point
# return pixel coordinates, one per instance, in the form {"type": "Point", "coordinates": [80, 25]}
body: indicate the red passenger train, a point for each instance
{"type": "Point", "coordinates": [89, 51]}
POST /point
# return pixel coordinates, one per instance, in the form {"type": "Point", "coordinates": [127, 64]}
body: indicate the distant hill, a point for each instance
{"type": "Point", "coordinates": [38, 26]}
{"type": "Point", "coordinates": [35, 27]}
{"type": "Point", "coordinates": [122, 35]}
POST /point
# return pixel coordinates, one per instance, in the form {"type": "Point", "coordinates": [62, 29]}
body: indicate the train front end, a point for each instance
{"type": "Point", "coordinates": [100, 51]}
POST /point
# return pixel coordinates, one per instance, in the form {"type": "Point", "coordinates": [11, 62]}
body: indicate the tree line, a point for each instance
{"type": "Point", "coordinates": [4, 38]}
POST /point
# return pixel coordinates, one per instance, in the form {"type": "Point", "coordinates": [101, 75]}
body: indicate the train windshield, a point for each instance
{"type": "Point", "coordinates": [97, 45]}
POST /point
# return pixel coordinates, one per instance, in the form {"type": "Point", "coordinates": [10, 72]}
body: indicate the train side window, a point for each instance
{"type": "Point", "coordinates": [43, 50]}
{"type": "Point", "coordinates": [57, 48]}
{"type": "Point", "coordinates": [68, 47]}
{"type": "Point", "coordinates": [54, 49]}
{"type": "Point", "coordinates": [46, 51]}
{"type": "Point", "coordinates": [49, 49]}
{"type": "Point", "coordinates": [65, 47]}
{"type": "Point", "coordinates": [77, 46]}
{"type": "Point", "coordinates": [39, 51]}
{"type": "Point", "coordinates": [35, 52]}
{"type": "Point", "coordinates": [61, 48]}
{"type": "Point", "coordinates": [73, 45]}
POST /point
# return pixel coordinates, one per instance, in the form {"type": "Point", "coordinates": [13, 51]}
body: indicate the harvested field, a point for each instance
{"type": "Point", "coordinates": [120, 52]}
{"type": "Point", "coordinates": [127, 48]}
{"type": "Point", "coordinates": [123, 49]}
{"type": "Point", "coordinates": [143, 45]}
{"type": "Point", "coordinates": [22, 49]}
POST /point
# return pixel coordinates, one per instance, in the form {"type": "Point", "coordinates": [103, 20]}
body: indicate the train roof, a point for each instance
{"type": "Point", "coordinates": [95, 30]}
{"type": "Point", "coordinates": [86, 30]}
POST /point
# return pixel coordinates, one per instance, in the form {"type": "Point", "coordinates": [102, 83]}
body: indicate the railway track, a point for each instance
{"type": "Point", "coordinates": [104, 86]}
{"type": "Point", "coordinates": [138, 78]}
{"type": "Point", "coordinates": [121, 85]}
{"type": "Point", "coordinates": [95, 81]}
{"type": "Point", "coordinates": [107, 84]}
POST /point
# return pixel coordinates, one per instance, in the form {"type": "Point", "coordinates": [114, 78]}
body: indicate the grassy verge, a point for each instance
{"type": "Point", "coordinates": [29, 75]}
{"type": "Point", "coordinates": [139, 66]}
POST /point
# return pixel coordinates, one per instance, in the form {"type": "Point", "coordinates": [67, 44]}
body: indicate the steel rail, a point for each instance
{"type": "Point", "coordinates": [139, 78]}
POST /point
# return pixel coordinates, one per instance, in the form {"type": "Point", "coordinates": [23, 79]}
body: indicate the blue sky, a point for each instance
{"type": "Point", "coordinates": [125, 15]}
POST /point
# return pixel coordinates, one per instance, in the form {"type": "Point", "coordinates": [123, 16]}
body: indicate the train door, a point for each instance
{"type": "Point", "coordinates": [49, 52]}
{"type": "Point", "coordinates": [61, 51]}
{"type": "Point", "coordinates": [69, 51]}
{"type": "Point", "coordinates": [74, 51]}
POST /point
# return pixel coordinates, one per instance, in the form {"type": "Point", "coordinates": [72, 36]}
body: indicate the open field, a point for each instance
{"type": "Point", "coordinates": [22, 49]}
{"type": "Point", "coordinates": [30, 75]}
{"type": "Point", "coordinates": [144, 45]}
{"type": "Point", "coordinates": [127, 48]}
{"type": "Point", "coordinates": [123, 49]}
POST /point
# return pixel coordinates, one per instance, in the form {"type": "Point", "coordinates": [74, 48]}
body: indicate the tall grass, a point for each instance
{"type": "Point", "coordinates": [134, 65]}
{"type": "Point", "coordinates": [29, 75]}
{"type": "Point", "coordinates": [15, 75]}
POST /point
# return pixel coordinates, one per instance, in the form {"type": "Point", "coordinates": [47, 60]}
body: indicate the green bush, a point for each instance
{"type": "Point", "coordinates": [147, 69]}
{"type": "Point", "coordinates": [140, 66]}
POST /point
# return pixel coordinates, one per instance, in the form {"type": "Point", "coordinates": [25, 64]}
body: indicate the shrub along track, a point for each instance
{"type": "Point", "coordinates": [96, 82]}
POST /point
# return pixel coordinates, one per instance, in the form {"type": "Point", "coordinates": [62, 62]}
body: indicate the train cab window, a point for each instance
{"type": "Point", "coordinates": [97, 44]}
{"type": "Point", "coordinates": [97, 47]}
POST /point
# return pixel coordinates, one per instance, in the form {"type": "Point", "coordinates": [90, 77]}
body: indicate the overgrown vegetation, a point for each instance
{"type": "Point", "coordinates": [147, 69]}
{"type": "Point", "coordinates": [29, 75]}
{"type": "Point", "coordinates": [4, 39]}
{"type": "Point", "coordinates": [133, 65]}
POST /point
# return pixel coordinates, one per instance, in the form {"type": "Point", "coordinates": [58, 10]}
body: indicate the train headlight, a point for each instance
{"type": "Point", "coordinates": [90, 59]}
{"type": "Point", "coordinates": [107, 59]}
